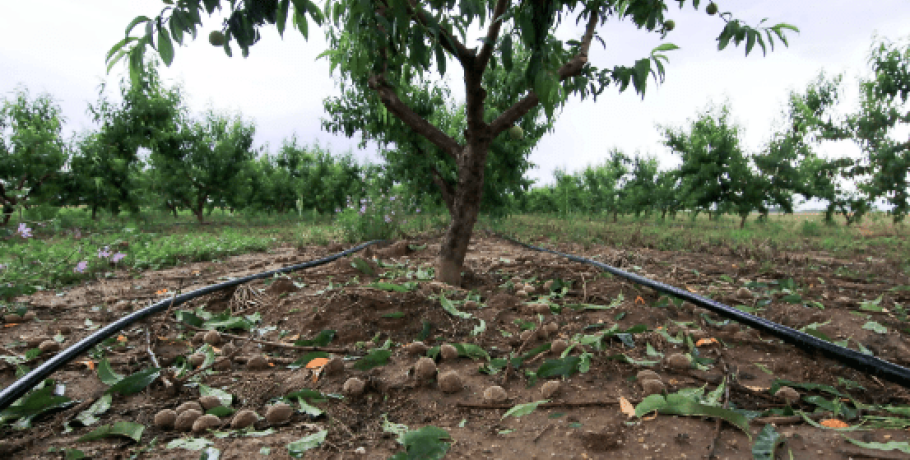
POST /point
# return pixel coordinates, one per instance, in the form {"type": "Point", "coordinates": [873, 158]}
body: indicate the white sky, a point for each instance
{"type": "Point", "coordinates": [58, 46]}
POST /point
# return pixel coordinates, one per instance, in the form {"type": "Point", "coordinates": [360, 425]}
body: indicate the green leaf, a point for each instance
{"type": "Point", "coordinates": [282, 18]}
{"type": "Point", "coordinates": [374, 359]}
{"type": "Point", "coordinates": [875, 327]}
{"type": "Point", "coordinates": [73, 454]}
{"type": "Point", "coordinates": [427, 443]}
{"type": "Point", "coordinates": [675, 404]}
{"type": "Point", "coordinates": [792, 298]}
{"type": "Point", "coordinates": [900, 446]}
{"type": "Point", "coordinates": [90, 416]}
{"type": "Point", "coordinates": [33, 404]}
{"type": "Point", "coordinates": [623, 358]}
{"type": "Point", "coordinates": [322, 339]}
{"type": "Point", "coordinates": [766, 443]}
{"type": "Point", "coordinates": [523, 409]}
{"type": "Point", "coordinates": [306, 408]}
{"type": "Point", "coordinates": [363, 266]}
{"type": "Point", "coordinates": [136, 382]}
{"type": "Point", "coordinates": [106, 374]}
{"type": "Point", "coordinates": [229, 323]}
{"type": "Point", "coordinates": [507, 52]}
{"type": "Point", "coordinates": [189, 318]}
{"type": "Point", "coordinates": [394, 314]}
{"type": "Point", "coordinates": [480, 328]}
{"type": "Point", "coordinates": [224, 397]}
{"type": "Point", "coordinates": [136, 21]}
{"type": "Point", "coordinates": [449, 307]}
{"type": "Point", "coordinates": [220, 411]}
{"type": "Point", "coordinates": [165, 47]}
{"type": "Point", "coordinates": [471, 350]}
{"type": "Point", "coordinates": [393, 287]}
{"type": "Point", "coordinates": [297, 448]}
{"type": "Point", "coordinates": [130, 430]}
{"type": "Point", "coordinates": [819, 425]}
{"type": "Point", "coordinates": [664, 47]}
{"type": "Point", "coordinates": [564, 367]}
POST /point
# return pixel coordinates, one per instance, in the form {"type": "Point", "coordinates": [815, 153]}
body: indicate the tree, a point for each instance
{"type": "Point", "coordinates": [379, 43]}
{"type": "Point", "coordinates": [196, 162]}
{"type": "Point", "coordinates": [321, 181]}
{"type": "Point", "coordinates": [605, 183]}
{"type": "Point", "coordinates": [715, 171]}
{"type": "Point", "coordinates": [32, 150]}
{"type": "Point", "coordinates": [640, 189]}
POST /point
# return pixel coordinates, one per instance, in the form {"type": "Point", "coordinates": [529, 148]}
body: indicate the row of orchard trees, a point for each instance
{"type": "Point", "coordinates": [148, 150]}
{"type": "Point", "coordinates": [717, 176]}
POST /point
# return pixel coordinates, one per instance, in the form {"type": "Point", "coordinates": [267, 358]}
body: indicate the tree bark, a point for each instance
{"type": "Point", "coordinates": [464, 212]}
{"type": "Point", "coordinates": [742, 220]}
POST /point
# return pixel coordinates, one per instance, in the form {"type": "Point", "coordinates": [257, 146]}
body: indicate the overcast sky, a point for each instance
{"type": "Point", "coordinates": [58, 46]}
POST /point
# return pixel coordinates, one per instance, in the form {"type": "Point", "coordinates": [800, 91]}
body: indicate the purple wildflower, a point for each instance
{"type": "Point", "coordinates": [418, 210]}
{"type": "Point", "coordinates": [24, 231]}
{"type": "Point", "coordinates": [118, 257]}
{"type": "Point", "coordinates": [104, 253]}
{"type": "Point", "coordinates": [388, 220]}
{"type": "Point", "coordinates": [392, 198]}
{"type": "Point", "coordinates": [363, 209]}
{"type": "Point", "coordinates": [80, 267]}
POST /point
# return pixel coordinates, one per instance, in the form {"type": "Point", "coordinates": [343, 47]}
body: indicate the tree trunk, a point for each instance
{"type": "Point", "coordinates": [465, 209]}
{"type": "Point", "coordinates": [94, 212]}
{"type": "Point", "coordinates": [742, 220]}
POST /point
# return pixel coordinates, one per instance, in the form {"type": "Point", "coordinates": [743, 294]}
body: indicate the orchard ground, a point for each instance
{"type": "Point", "coordinates": [841, 283]}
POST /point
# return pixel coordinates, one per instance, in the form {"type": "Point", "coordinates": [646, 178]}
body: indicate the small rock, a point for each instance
{"type": "Point", "coordinates": [353, 386]}
{"type": "Point", "coordinates": [205, 423]}
{"type": "Point", "coordinates": [165, 419]}
{"type": "Point", "coordinates": [189, 405]}
{"type": "Point", "coordinates": [525, 335]}
{"type": "Point", "coordinates": [495, 394]}
{"type": "Point", "coordinates": [186, 419]}
{"type": "Point", "coordinates": [789, 395]}
{"type": "Point", "coordinates": [549, 389]}
{"type": "Point", "coordinates": [450, 382]}
{"type": "Point", "coordinates": [743, 293]}
{"type": "Point", "coordinates": [196, 359]}
{"type": "Point", "coordinates": [417, 348]}
{"type": "Point", "coordinates": [335, 366]}
{"type": "Point", "coordinates": [678, 361]}
{"type": "Point", "coordinates": [208, 402]}
{"type": "Point", "coordinates": [425, 368]}
{"type": "Point", "coordinates": [244, 419]}
{"type": "Point", "coordinates": [279, 413]}
{"type": "Point", "coordinates": [558, 346]}
{"type": "Point", "coordinates": [212, 338]}
{"type": "Point", "coordinates": [257, 363]}
{"type": "Point", "coordinates": [448, 352]}
{"type": "Point", "coordinates": [198, 338]}
{"type": "Point", "coordinates": [652, 387]}
{"type": "Point", "coordinates": [647, 374]}
{"type": "Point", "coordinates": [49, 346]}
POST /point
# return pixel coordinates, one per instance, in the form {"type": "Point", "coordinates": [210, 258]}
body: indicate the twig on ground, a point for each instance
{"type": "Point", "coordinates": [542, 432]}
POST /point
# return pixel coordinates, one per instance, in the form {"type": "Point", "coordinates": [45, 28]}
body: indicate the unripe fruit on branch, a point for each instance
{"type": "Point", "coordinates": [669, 25]}
{"type": "Point", "coordinates": [711, 9]}
{"type": "Point", "coordinates": [216, 38]}
{"type": "Point", "coordinates": [516, 133]}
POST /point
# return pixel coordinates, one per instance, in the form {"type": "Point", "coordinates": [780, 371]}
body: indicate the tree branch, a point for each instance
{"type": "Point", "coordinates": [433, 134]}
{"type": "Point", "coordinates": [448, 41]}
{"type": "Point", "coordinates": [448, 195]}
{"type": "Point", "coordinates": [492, 34]}
{"type": "Point", "coordinates": [568, 70]}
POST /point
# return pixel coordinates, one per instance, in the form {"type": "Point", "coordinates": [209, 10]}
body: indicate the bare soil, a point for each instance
{"type": "Point", "coordinates": [583, 419]}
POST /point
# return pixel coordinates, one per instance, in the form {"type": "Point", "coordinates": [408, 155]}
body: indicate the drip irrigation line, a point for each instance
{"type": "Point", "coordinates": [852, 358]}
{"type": "Point", "coordinates": [20, 387]}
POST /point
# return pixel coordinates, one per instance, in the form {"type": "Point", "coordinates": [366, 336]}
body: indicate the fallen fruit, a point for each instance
{"type": "Point", "coordinates": [678, 361]}
{"type": "Point", "coordinates": [208, 402]}
{"type": "Point", "coordinates": [244, 419]}
{"type": "Point", "coordinates": [743, 292]}
{"type": "Point", "coordinates": [49, 346]}
{"type": "Point", "coordinates": [189, 405]}
{"type": "Point", "coordinates": [425, 368]}
{"type": "Point", "coordinates": [549, 389]}
{"type": "Point", "coordinates": [353, 386]}
{"type": "Point", "coordinates": [450, 382]}
{"type": "Point", "coordinates": [279, 413]}
{"type": "Point", "coordinates": [198, 338]}
{"type": "Point", "coordinates": [212, 338]}
{"type": "Point", "coordinates": [526, 335]}
{"type": "Point", "coordinates": [652, 387]}
{"type": "Point", "coordinates": [558, 346]}
{"type": "Point", "coordinates": [448, 352]}
{"type": "Point", "coordinates": [495, 394]}
{"type": "Point", "coordinates": [257, 363]}
{"type": "Point", "coordinates": [205, 423]}
{"type": "Point", "coordinates": [165, 419]}
{"type": "Point", "coordinates": [417, 348]}
{"type": "Point", "coordinates": [647, 374]}
{"type": "Point", "coordinates": [335, 366]}
{"type": "Point", "coordinates": [789, 395]}
{"type": "Point", "coordinates": [186, 419]}
{"type": "Point", "coordinates": [196, 359]}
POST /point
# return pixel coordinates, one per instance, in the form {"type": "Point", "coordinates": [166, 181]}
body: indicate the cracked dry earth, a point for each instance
{"type": "Point", "coordinates": [583, 419]}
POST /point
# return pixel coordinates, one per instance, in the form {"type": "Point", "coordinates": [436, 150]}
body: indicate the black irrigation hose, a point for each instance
{"type": "Point", "coordinates": [806, 342]}
{"type": "Point", "coordinates": [20, 387]}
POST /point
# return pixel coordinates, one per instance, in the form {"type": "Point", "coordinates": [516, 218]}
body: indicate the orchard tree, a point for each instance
{"type": "Point", "coordinates": [32, 150]}
{"type": "Point", "coordinates": [320, 180]}
{"type": "Point", "coordinates": [605, 183]}
{"type": "Point", "coordinates": [380, 43]}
